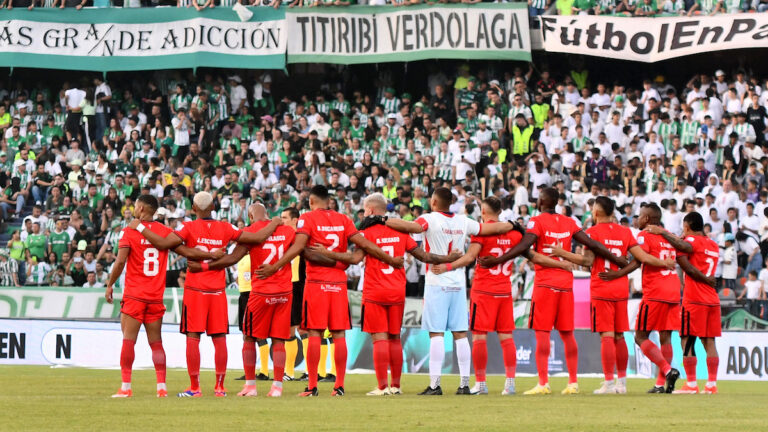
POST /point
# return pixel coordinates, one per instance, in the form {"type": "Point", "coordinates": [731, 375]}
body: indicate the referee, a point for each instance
{"type": "Point", "coordinates": [290, 217]}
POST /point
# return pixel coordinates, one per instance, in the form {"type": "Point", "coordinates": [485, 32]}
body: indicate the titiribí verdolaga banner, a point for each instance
{"type": "Point", "coordinates": [383, 34]}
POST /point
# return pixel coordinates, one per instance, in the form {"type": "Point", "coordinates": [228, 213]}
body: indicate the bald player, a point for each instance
{"type": "Point", "coordinates": [552, 302]}
{"type": "Point", "coordinates": [205, 307]}
{"type": "Point", "coordinates": [609, 298]}
{"type": "Point", "coordinates": [326, 305]}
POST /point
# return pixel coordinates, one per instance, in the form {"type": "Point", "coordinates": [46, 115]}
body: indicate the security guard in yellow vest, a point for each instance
{"type": "Point", "coordinates": [540, 111]}
{"type": "Point", "coordinates": [522, 138]}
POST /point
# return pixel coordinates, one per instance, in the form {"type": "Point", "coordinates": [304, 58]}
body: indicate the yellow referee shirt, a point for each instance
{"type": "Point", "coordinates": [244, 274]}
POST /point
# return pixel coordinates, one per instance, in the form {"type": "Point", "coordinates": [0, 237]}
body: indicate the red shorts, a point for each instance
{"type": "Point", "coordinates": [142, 311]}
{"type": "Point", "coordinates": [609, 316]}
{"type": "Point", "coordinates": [204, 312]}
{"type": "Point", "coordinates": [700, 320]}
{"type": "Point", "coordinates": [551, 308]}
{"type": "Point", "coordinates": [488, 313]}
{"type": "Point", "coordinates": [659, 316]}
{"type": "Point", "coordinates": [326, 306]}
{"type": "Point", "coordinates": [379, 318]}
{"type": "Point", "coordinates": [268, 316]}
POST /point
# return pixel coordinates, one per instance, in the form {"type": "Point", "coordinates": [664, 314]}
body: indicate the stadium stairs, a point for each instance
{"type": "Point", "coordinates": [14, 224]}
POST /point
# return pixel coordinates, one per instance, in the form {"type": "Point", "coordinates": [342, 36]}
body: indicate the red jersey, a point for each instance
{"type": "Point", "coordinates": [207, 235]}
{"type": "Point", "coordinates": [551, 228]}
{"type": "Point", "coordinates": [704, 257]}
{"type": "Point", "coordinates": [659, 284]}
{"type": "Point", "coordinates": [146, 265]}
{"type": "Point", "coordinates": [332, 230]}
{"type": "Point", "coordinates": [383, 283]}
{"type": "Point", "coordinates": [618, 240]}
{"type": "Point", "coordinates": [495, 281]}
{"type": "Point", "coordinates": [270, 252]}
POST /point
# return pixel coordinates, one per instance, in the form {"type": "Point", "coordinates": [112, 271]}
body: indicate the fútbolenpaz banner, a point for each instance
{"type": "Point", "coordinates": [114, 39]}
{"type": "Point", "coordinates": [652, 39]}
{"type": "Point", "coordinates": [369, 34]}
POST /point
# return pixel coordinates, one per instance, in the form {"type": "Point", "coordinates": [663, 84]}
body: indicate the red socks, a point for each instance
{"type": "Point", "coordinates": [220, 359]}
{"type": "Point", "coordinates": [313, 358]}
{"type": "Point", "coordinates": [608, 356]}
{"type": "Point", "coordinates": [126, 360]}
{"type": "Point", "coordinates": [542, 356]}
{"type": "Point", "coordinates": [158, 358]}
{"type": "Point", "coordinates": [668, 353]}
{"type": "Point", "coordinates": [249, 360]}
{"type": "Point", "coordinates": [653, 353]}
{"type": "Point", "coordinates": [381, 361]}
{"type": "Point", "coordinates": [689, 363]}
{"type": "Point", "coordinates": [480, 358]}
{"type": "Point", "coordinates": [712, 363]}
{"type": "Point", "coordinates": [340, 359]}
{"type": "Point", "coordinates": [509, 352]}
{"type": "Point", "coordinates": [622, 357]}
{"type": "Point", "coordinates": [193, 362]}
{"type": "Point", "coordinates": [278, 359]}
{"type": "Point", "coordinates": [571, 355]}
{"type": "Point", "coordinates": [395, 361]}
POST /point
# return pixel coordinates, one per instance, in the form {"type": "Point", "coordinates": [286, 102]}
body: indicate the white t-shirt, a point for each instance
{"type": "Point", "coordinates": [74, 96]}
{"type": "Point", "coordinates": [753, 289]}
{"type": "Point", "coordinates": [730, 271]}
{"type": "Point", "coordinates": [444, 232]}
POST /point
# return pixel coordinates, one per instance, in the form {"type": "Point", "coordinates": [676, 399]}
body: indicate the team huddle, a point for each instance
{"type": "Point", "coordinates": [319, 241]}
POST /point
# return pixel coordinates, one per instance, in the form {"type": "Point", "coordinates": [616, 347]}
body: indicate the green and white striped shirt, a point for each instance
{"type": "Point", "coordinates": [390, 105]}
{"type": "Point", "coordinates": [667, 131]}
{"type": "Point", "coordinates": [342, 107]}
{"type": "Point", "coordinates": [688, 132]}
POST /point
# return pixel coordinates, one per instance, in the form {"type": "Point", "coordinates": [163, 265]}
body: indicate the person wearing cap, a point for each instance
{"type": "Point", "coordinates": [390, 103]}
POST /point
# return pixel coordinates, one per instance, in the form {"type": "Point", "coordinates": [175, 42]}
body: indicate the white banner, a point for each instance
{"type": "Point", "coordinates": [371, 34]}
{"type": "Point", "coordinates": [652, 39]}
{"type": "Point", "coordinates": [743, 356]}
{"type": "Point", "coordinates": [141, 39]}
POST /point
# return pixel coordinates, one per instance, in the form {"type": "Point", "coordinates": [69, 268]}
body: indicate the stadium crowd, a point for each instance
{"type": "Point", "coordinates": [81, 152]}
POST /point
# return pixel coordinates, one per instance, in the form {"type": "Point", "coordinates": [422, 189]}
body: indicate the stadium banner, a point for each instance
{"type": "Point", "coordinates": [371, 34]}
{"type": "Point", "coordinates": [652, 39]}
{"type": "Point", "coordinates": [117, 39]}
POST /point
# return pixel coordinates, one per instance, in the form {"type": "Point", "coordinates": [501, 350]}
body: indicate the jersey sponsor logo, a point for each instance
{"type": "Point", "coordinates": [641, 240]}
{"type": "Point", "coordinates": [300, 224]}
{"type": "Point", "coordinates": [330, 228]}
{"type": "Point", "coordinates": [557, 235]}
{"type": "Point", "coordinates": [330, 288]}
{"type": "Point", "coordinates": [531, 224]}
{"type": "Point", "coordinates": [275, 300]}
{"type": "Point", "coordinates": [690, 239]}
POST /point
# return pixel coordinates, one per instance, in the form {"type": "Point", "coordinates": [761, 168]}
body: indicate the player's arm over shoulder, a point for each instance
{"type": "Point", "coordinates": [418, 226]}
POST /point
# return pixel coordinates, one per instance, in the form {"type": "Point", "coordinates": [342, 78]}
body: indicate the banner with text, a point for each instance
{"type": "Point", "coordinates": [652, 39]}
{"type": "Point", "coordinates": [367, 34]}
{"type": "Point", "coordinates": [114, 39]}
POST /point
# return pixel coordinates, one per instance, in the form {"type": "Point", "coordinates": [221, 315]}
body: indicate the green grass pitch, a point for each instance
{"type": "Point", "coordinates": [42, 398]}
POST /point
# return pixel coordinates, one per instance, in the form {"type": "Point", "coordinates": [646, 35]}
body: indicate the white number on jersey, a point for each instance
{"type": "Point", "coordinates": [151, 262]}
